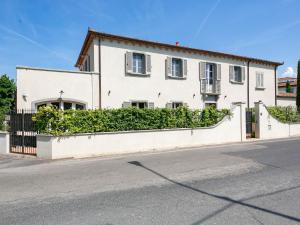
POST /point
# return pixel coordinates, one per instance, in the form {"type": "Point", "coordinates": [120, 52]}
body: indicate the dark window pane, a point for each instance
{"type": "Point", "coordinates": [67, 105]}
{"type": "Point", "coordinates": [55, 104]}
{"type": "Point", "coordinates": [79, 107]}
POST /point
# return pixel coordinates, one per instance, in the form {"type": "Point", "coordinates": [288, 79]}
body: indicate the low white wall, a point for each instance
{"type": "Point", "coordinates": [4, 142]}
{"type": "Point", "coordinates": [230, 129]}
{"type": "Point", "coordinates": [268, 127]}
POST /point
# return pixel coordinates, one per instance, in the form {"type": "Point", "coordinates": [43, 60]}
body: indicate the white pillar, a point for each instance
{"type": "Point", "coordinates": [4, 142]}
{"type": "Point", "coordinates": [242, 116]}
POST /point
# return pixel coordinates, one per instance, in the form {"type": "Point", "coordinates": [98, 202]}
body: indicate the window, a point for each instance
{"type": "Point", "coordinates": [67, 105]}
{"type": "Point", "coordinates": [140, 105]}
{"type": "Point", "coordinates": [177, 67]}
{"type": "Point", "coordinates": [138, 63]}
{"type": "Point", "coordinates": [41, 105]}
{"type": "Point", "coordinates": [210, 70]}
{"type": "Point", "coordinates": [237, 74]}
{"type": "Point", "coordinates": [211, 104]}
{"type": "Point", "coordinates": [55, 104]}
{"type": "Point", "coordinates": [259, 80]}
{"type": "Point", "coordinates": [176, 104]}
{"type": "Point", "coordinates": [79, 107]}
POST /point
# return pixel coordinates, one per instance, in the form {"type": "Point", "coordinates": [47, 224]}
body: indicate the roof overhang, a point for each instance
{"type": "Point", "coordinates": [91, 34]}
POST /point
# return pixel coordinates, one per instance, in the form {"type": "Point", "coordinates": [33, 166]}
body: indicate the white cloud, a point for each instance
{"type": "Point", "coordinates": [289, 72]}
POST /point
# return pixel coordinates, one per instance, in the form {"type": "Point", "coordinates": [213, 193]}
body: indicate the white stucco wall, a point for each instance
{"type": "Point", "coordinates": [40, 85]}
{"type": "Point", "coordinates": [4, 142]}
{"type": "Point", "coordinates": [268, 127]}
{"type": "Point", "coordinates": [84, 145]}
{"type": "Point", "coordinates": [286, 101]}
{"type": "Point", "coordinates": [123, 87]}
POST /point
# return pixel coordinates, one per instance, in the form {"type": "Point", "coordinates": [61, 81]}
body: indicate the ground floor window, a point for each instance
{"type": "Point", "coordinates": [140, 105]}
{"type": "Point", "coordinates": [211, 104]}
{"type": "Point", "coordinates": [176, 104]}
{"type": "Point", "coordinates": [64, 105]}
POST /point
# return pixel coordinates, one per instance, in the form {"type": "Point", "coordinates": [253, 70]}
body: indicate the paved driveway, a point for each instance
{"type": "Point", "coordinates": [252, 183]}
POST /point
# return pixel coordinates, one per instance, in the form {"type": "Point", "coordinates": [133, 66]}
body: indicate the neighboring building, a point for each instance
{"type": "Point", "coordinates": [283, 97]}
{"type": "Point", "coordinates": [118, 71]}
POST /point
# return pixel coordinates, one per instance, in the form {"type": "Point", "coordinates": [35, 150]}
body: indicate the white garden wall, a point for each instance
{"type": "Point", "coordinates": [230, 129]}
{"type": "Point", "coordinates": [4, 142]}
{"type": "Point", "coordinates": [268, 127]}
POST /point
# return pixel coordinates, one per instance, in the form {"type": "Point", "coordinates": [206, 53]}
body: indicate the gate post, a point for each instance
{"type": "Point", "coordinates": [4, 142]}
{"type": "Point", "coordinates": [258, 114]}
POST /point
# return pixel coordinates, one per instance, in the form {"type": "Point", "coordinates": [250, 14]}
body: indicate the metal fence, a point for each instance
{"type": "Point", "coordinates": [22, 132]}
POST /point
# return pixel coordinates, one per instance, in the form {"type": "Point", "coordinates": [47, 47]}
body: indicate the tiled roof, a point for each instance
{"type": "Point", "coordinates": [288, 95]}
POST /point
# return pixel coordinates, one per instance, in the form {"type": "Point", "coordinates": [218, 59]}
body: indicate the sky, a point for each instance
{"type": "Point", "coordinates": [50, 33]}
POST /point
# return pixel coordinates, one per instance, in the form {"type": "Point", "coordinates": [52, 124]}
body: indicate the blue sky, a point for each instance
{"type": "Point", "coordinates": [49, 33]}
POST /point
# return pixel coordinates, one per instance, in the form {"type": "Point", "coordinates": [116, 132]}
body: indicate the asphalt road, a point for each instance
{"type": "Point", "coordinates": [252, 183]}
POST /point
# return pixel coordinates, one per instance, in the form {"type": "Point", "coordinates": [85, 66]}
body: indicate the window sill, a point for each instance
{"type": "Point", "coordinates": [260, 88]}
{"type": "Point", "coordinates": [211, 93]}
{"type": "Point", "coordinates": [236, 82]}
{"type": "Point", "coordinates": [177, 78]}
{"type": "Point", "coordinates": [138, 74]}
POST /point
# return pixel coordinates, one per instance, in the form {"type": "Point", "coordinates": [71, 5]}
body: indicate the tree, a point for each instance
{"type": "Point", "coordinates": [298, 87]}
{"type": "Point", "coordinates": [7, 93]}
{"type": "Point", "coordinates": [288, 87]}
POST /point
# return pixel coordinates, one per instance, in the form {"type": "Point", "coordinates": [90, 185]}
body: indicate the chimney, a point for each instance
{"type": "Point", "coordinates": [177, 43]}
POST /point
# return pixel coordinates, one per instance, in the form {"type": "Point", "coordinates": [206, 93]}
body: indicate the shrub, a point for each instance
{"type": "Point", "coordinates": [2, 118]}
{"type": "Point", "coordinates": [57, 122]}
{"type": "Point", "coordinates": [287, 114]}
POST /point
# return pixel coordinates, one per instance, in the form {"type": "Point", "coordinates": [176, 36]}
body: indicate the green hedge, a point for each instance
{"type": "Point", "coordinates": [57, 122]}
{"type": "Point", "coordinates": [287, 114]}
{"type": "Point", "coordinates": [2, 118]}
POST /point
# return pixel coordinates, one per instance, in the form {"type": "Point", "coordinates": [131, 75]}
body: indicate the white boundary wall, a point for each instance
{"type": "Point", "coordinates": [4, 142]}
{"type": "Point", "coordinates": [230, 129]}
{"type": "Point", "coordinates": [267, 127]}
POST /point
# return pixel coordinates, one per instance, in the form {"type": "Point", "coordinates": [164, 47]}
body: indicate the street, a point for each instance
{"type": "Point", "coordinates": [249, 183]}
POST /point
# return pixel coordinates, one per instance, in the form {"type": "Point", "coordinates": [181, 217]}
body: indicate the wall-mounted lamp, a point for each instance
{"type": "Point", "coordinates": [108, 93]}
{"type": "Point", "coordinates": [25, 97]}
{"type": "Point", "coordinates": [159, 94]}
{"type": "Point", "coordinates": [194, 95]}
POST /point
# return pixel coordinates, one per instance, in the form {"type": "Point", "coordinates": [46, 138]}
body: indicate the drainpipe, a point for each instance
{"type": "Point", "coordinates": [248, 84]}
{"type": "Point", "coordinates": [275, 73]}
{"type": "Point", "coordinates": [99, 56]}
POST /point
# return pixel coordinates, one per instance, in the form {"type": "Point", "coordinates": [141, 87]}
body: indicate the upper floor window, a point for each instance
{"type": "Point", "coordinates": [210, 78]}
{"type": "Point", "coordinates": [237, 74]}
{"type": "Point", "coordinates": [210, 73]}
{"type": "Point", "coordinates": [176, 68]}
{"type": "Point", "coordinates": [259, 80]}
{"type": "Point", "coordinates": [138, 63]}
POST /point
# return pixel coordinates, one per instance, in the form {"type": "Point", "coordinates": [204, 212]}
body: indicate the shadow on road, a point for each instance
{"type": "Point", "coordinates": [231, 201]}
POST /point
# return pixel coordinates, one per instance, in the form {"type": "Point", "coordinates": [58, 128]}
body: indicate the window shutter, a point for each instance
{"type": "Point", "coordinates": [184, 64]}
{"type": "Point", "coordinates": [218, 87]}
{"type": "Point", "coordinates": [231, 73]}
{"type": "Point", "coordinates": [218, 67]}
{"type": "Point", "coordinates": [202, 67]}
{"type": "Point", "coordinates": [262, 80]}
{"type": "Point", "coordinates": [257, 80]}
{"type": "Point", "coordinates": [126, 104]}
{"type": "Point", "coordinates": [169, 66]}
{"type": "Point", "coordinates": [203, 86]}
{"type": "Point", "coordinates": [151, 105]}
{"type": "Point", "coordinates": [148, 64]}
{"type": "Point", "coordinates": [169, 105]}
{"type": "Point", "coordinates": [243, 74]}
{"type": "Point", "coordinates": [129, 61]}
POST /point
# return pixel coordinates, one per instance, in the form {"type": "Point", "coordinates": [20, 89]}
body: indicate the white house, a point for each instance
{"type": "Point", "coordinates": [116, 71]}
{"type": "Point", "coordinates": [285, 98]}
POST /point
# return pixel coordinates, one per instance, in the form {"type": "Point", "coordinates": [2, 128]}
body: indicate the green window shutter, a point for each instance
{"type": "Point", "coordinates": [126, 104]}
{"type": "Point", "coordinates": [243, 74]}
{"type": "Point", "coordinates": [202, 67]}
{"type": "Point", "coordinates": [218, 67]}
{"type": "Point", "coordinates": [231, 73]}
{"type": "Point", "coordinates": [169, 66]}
{"type": "Point", "coordinates": [151, 105]}
{"type": "Point", "coordinates": [184, 64]}
{"type": "Point", "coordinates": [129, 62]}
{"type": "Point", "coordinates": [148, 64]}
{"type": "Point", "coordinates": [169, 105]}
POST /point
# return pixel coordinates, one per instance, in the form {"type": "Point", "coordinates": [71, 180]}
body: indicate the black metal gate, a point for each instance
{"type": "Point", "coordinates": [22, 132]}
{"type": "Point", "coordinates": [250, 123]}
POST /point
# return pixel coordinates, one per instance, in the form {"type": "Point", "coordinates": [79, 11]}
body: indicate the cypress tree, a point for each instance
{"type": "Point", "coordinates": [298, 87]}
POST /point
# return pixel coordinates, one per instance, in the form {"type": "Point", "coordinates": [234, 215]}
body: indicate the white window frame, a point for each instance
{"type": "Point", "coordinates": [138, 102]}
{"type": "Point", "coordinates": [241, 75]}
{"type": "Point", "coordinates": [173, 67]}
{"type": "Point", "coordinates": [177, 103]}
{"type": "Point", "coordinates": [61, 104]}
{"type": "Point", "coordinates": [260, 82]}
{"type": "Point", "coordinates": [136, 66]}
